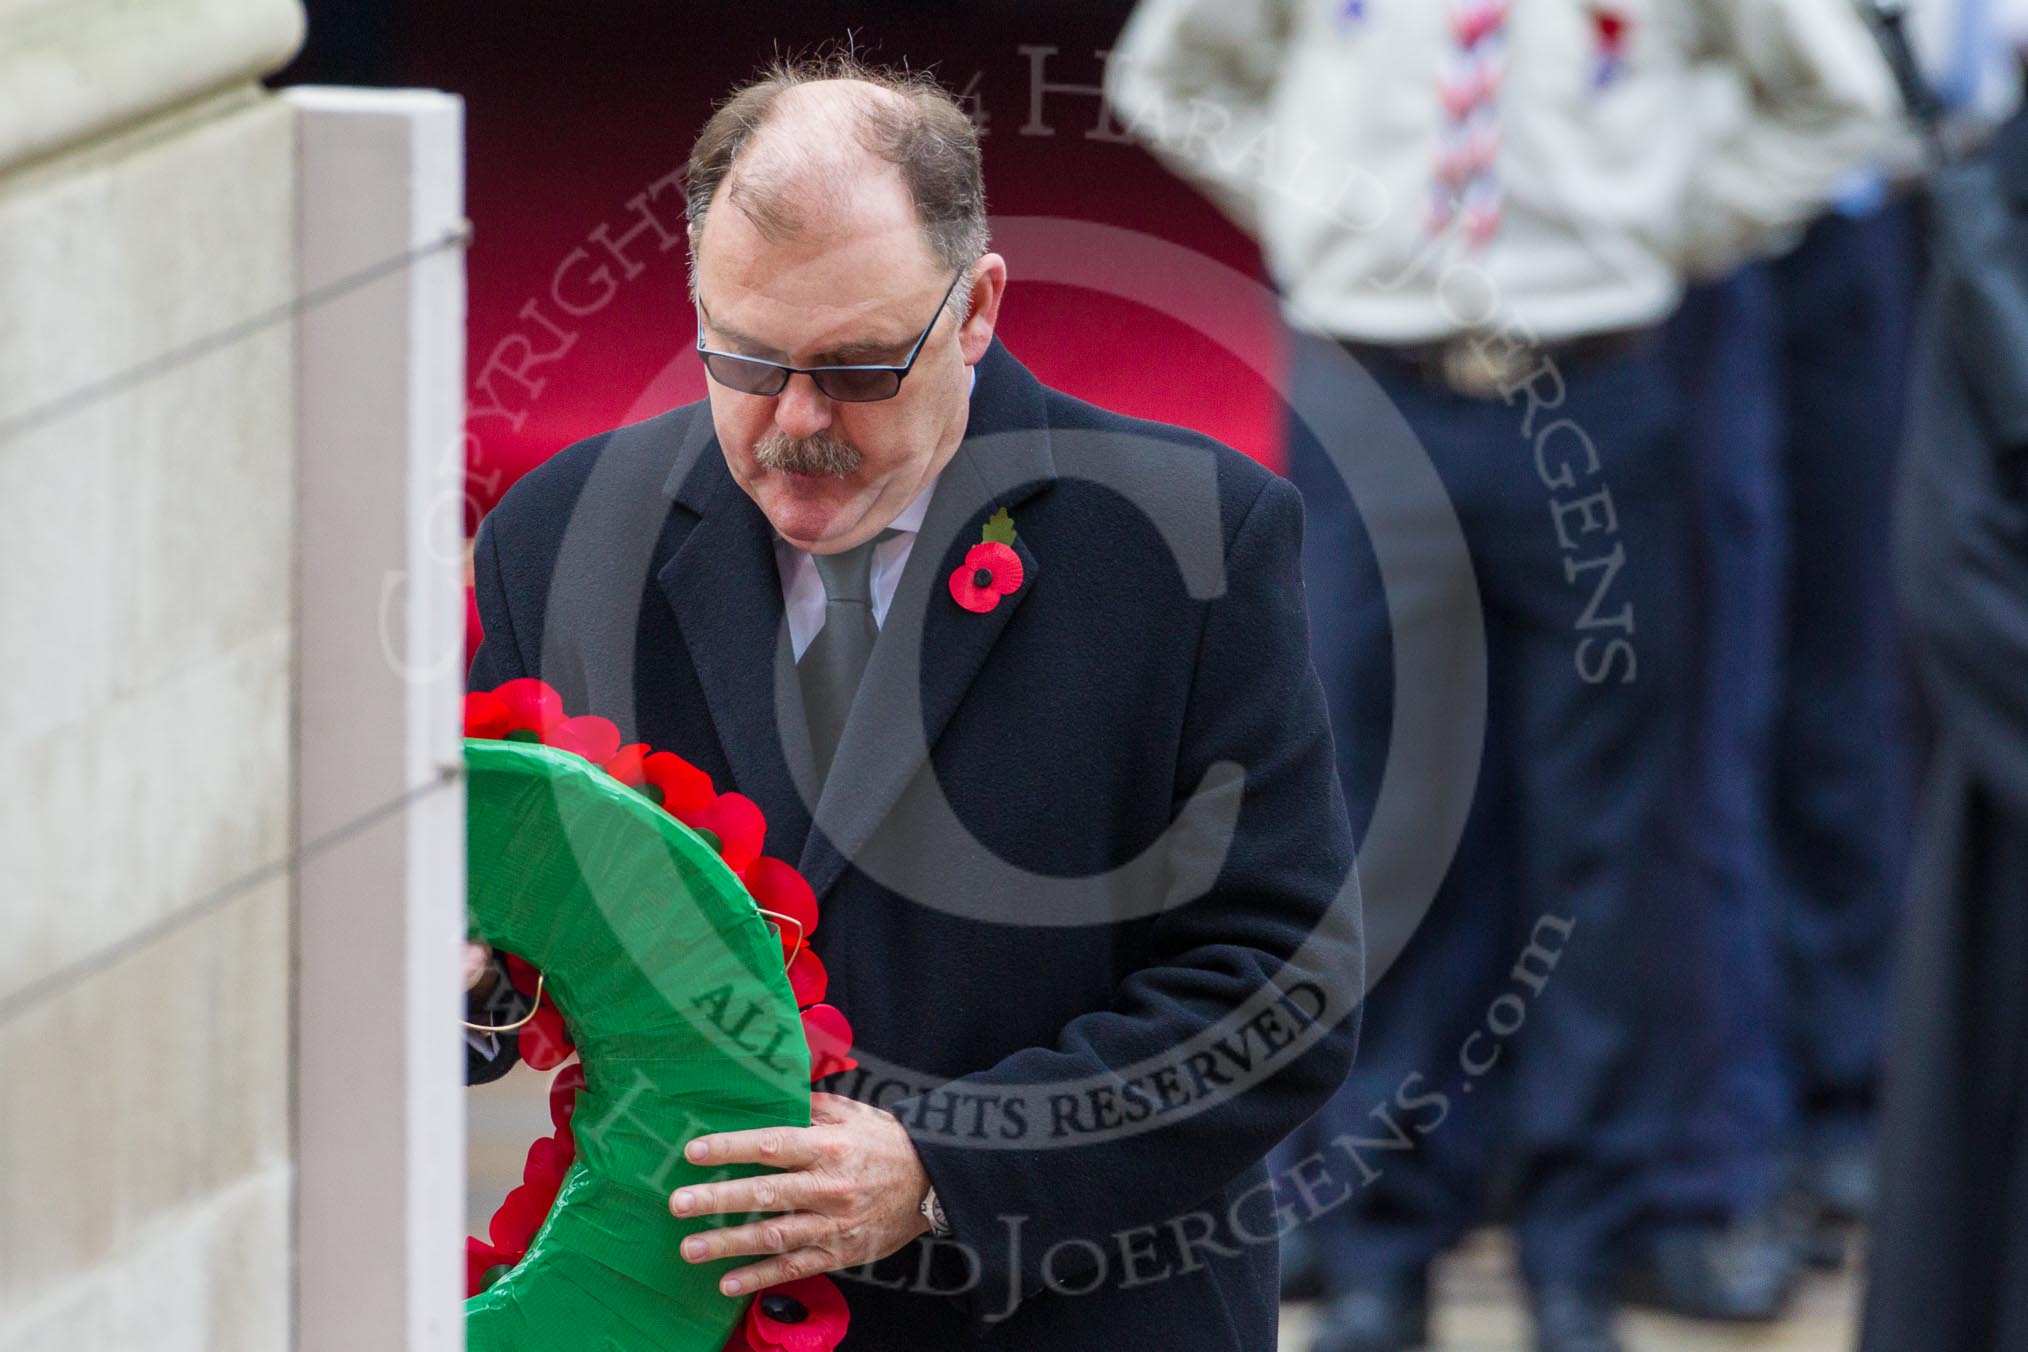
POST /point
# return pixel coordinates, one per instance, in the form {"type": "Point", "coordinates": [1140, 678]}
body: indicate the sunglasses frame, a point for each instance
{"type": "Point", "coordinates": [817, 373]}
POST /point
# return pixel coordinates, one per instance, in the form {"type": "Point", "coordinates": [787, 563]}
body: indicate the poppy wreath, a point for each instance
{"type": "Point", "coordinates": [633, 903]}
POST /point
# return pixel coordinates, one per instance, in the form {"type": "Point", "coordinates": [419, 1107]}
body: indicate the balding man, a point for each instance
{"type": "Point", "coordinates": [1068, 804]}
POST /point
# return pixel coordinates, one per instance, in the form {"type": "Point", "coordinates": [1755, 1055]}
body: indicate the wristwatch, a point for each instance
{"type": "Point", "coordinates": [933, 1211]}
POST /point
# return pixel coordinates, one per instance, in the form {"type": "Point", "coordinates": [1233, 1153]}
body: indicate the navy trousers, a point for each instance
{"type": "Point", "coordinates": [1483, 1059]}
{"type": "Point", "coordinates": [1794, 374]}
{"type": "Point", "coordinates": [1841, 775]}
{"type": "Point", "coordinates": [1732, 1140]}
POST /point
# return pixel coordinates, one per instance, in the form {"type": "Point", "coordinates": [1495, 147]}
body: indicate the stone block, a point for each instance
{"type": "Point", "coordinates": [141, 1096]}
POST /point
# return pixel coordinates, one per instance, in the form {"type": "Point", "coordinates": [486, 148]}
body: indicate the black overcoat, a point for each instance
{"type": "Point", "coordinates": [1950, 1251]}
{"type": "Point", "coordinates": [1083, 865]}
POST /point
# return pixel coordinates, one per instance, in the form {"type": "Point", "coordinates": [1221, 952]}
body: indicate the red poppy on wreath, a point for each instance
{"type": "Point", "coordinates": [679, 786]}
{"type": "Point", "coordinates": [830, 1037]}
{"type": "Point", "coordinates": [806, 1315]}
{"type": "Point", "coordinates": [734, 823]}
{"type": "Point", "coordinates": [547, 1162]}
{"type": "Point", "coordinates": [528, 707]}
{"type": "Point", "coordinates": [629, 765]}
{"type": "Point", "coordinates": [545, 1044]}
{"type": "Point", "coordinates": [807, 978]}
{"type": "Point", "coordinates": [777, 887]}
{"type": "Point", "coordinates": [596, 739]}
{"type": "Point", "coordinates": [481, 1259]}
{"type": "Point", "coordinates": [519, 1216]}
{"type": "Point", "coordinates": [487, 715]}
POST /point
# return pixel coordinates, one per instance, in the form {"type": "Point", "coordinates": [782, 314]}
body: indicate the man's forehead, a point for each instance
{"type": "Point", "coordinates": [798, 302]}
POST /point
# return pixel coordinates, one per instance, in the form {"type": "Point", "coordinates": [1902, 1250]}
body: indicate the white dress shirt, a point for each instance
{"type": "Point", "coordinates": [803, 589]}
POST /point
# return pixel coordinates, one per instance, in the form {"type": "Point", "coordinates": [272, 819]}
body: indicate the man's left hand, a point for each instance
{"type": "Point", "coordinates": [848, 1194]}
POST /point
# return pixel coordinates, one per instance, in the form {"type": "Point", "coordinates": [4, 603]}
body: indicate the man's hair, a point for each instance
{"type": "Point", "coordinates": [914, 125]}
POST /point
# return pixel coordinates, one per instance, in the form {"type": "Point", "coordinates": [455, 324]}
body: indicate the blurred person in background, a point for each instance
{"type": "Point", "coordinates": [1491, 211]}
{"type": "Point", "coordinates": [1795, 372]}
{"type": "Point", "coordinates": [1949, 1260]}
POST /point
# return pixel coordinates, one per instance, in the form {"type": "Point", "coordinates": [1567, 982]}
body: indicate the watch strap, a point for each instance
{"type": "Point", "coordinates": [933, 1212]}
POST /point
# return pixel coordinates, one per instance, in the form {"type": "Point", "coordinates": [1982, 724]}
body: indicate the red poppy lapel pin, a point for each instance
{"type": "Point", "coordinates": [991, 568]}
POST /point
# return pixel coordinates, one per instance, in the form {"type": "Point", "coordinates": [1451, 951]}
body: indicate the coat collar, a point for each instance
{"type": "Point", "coordinates": [724, 588]}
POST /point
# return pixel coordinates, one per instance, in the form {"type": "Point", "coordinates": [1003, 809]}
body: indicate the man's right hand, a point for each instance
{"type": "Point", "coordinates": [479, 973]}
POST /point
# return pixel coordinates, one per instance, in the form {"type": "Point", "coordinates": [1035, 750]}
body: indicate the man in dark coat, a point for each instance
{"type": "Point", "coordinates": [1067, 805]}
{"type": "Point", "coordinates": [1950, 1254]}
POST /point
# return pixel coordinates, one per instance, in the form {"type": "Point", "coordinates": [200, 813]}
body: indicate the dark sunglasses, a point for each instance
{"type": "Point", "coordinates": [846, 384]}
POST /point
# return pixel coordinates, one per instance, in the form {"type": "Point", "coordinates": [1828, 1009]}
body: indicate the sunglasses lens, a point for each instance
{"type": "Point", "coordinates": [748, 377]}
{"type": "Point", "coordinates": [858, 387]}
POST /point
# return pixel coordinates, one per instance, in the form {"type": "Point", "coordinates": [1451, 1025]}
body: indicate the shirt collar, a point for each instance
{"type": "Point", "coordinates": [910, 517]}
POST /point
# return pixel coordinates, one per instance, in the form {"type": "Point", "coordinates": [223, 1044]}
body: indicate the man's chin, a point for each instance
{"type": "Point", "coordinates": [808, 508]}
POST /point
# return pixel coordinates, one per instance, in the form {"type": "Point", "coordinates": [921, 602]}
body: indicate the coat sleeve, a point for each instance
{"type": "Point", "coordinates": [488, 1056]}
{"type": "Point", "coordinates": [1795, 97]}
{"type": "Point", "coordinates": [1283, 905]}
{"type": "Point", "coordinates": [498, 659]}
{"type": "Point", "coordinates": [1193, 79]}
{"type": "Point", "coordinates": [497, 662]}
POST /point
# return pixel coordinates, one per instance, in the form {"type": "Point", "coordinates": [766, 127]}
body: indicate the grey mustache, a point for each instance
{"type": "Point", "coordinates": [821, 453]}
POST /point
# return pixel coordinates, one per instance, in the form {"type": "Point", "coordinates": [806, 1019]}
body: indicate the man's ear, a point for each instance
{"type": "Point", "coordinates": [989, 283]}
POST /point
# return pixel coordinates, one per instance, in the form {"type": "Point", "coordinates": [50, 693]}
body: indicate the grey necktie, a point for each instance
{"type": "Point", "coordinates": [831, 666]}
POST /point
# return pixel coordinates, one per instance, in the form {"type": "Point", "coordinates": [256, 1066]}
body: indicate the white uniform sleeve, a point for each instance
{"type": "Point", "coordinates": [1795, 96]}
{"type": "Point", "coordinates": [2010, 20]}
{"type": "Point", "coordinates": [1194, 80]}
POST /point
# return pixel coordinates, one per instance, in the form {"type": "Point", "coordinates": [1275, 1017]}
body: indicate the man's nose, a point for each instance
{"type": "Point", "coordinates": [801, 410]}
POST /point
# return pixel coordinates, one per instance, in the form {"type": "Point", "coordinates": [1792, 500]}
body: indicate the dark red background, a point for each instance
{"type": "Point", "coordinates": [573, 109]}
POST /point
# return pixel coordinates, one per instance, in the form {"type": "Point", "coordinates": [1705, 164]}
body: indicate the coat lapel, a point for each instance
{"type": "Point", "coordinates": [930, 649]}
{"type": "Point", "coordinates": [723, 585]}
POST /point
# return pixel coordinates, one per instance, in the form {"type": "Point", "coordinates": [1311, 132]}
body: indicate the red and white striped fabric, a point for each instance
{"type": "Point", "coordinates": [1466, 190]}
